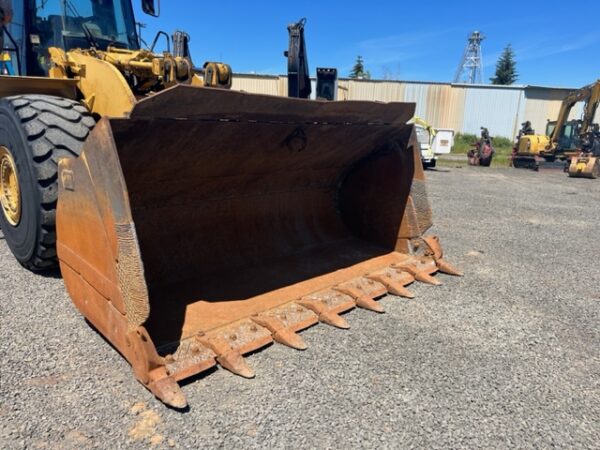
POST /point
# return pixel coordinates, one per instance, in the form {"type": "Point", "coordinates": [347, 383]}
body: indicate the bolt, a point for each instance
{"type": "Point", "coordinates": [233, 337]}
{"type": "Point", "coordinates": [253, 328]}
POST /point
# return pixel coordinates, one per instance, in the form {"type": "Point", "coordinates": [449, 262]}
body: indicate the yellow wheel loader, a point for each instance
{"type": "Point", "coordinates": [194, 224]}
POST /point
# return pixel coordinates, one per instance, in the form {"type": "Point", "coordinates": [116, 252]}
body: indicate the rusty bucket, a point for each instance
{"type": "Point", "coordinates": [210, 223]}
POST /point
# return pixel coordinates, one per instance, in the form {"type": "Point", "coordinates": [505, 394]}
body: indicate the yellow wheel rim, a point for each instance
{"type": "Point", "coordinates": [10, 193]}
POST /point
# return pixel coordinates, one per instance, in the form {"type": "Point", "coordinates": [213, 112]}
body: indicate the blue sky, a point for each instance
{"type": "Point", "coordinates": [556, 42]}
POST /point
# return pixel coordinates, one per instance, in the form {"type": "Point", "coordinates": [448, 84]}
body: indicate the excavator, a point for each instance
{"type": "Point", "coordinates": [194, 224]}
{"type": "Point", "coordinates": [586, 162]}
{"type": "Point", "coordinates": [562, 140]}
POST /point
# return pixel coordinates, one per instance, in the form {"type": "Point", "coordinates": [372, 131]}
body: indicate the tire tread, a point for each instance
{"type": "Point", "coordinates": [55, 127]}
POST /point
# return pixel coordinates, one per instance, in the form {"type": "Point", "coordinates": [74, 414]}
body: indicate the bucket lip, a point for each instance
{"type": "Point", "coordinates": [183, 102]}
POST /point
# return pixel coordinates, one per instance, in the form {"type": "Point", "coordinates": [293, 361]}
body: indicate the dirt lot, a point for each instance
{"type": "Point", "coordinates": [508, 356]}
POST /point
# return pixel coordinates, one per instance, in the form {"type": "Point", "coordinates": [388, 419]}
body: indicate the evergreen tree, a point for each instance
{"type": "Point", "coordinates": [358, 71]}
{"type": "Point", "coordinates": [506, 68]}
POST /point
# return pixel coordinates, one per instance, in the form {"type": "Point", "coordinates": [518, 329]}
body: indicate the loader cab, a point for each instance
{"type": "Point", "coordinates": [69, 24]}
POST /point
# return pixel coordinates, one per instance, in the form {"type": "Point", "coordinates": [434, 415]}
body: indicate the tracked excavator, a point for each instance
{"type": "Point", "coordinates": [564, 137]}
{"type": "Point", "coordinates": [194, 224]}
{"type": "Point", "coordinates": [585, 163]}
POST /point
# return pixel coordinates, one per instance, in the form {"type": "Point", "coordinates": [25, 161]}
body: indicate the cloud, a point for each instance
{"type": "Point", "coordinates": [400, 47]}
{"type": "Point", "coordinates": [543, 48]}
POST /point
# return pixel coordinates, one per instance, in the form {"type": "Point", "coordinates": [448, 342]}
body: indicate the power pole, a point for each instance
{"type": "Point", "coordinates": [470, 69]}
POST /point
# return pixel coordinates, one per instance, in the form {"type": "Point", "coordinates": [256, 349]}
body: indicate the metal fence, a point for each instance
{"type": "Point", "coordinates": [461, 107]}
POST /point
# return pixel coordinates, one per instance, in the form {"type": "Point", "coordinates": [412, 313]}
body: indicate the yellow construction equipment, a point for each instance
{"type": "Point", "coordinates": [194, 224]}
{"type": "Point", "coordinates": [586, 163]}
{"type": "Point", "coordinates": [563, 138]}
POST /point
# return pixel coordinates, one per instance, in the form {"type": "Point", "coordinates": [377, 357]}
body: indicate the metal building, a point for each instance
{"type": "Point", "coordinates": [462, 107]}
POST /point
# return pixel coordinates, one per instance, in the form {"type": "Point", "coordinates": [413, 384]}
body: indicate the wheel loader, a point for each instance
{"type": "Point", "coordinates": [194, 224]}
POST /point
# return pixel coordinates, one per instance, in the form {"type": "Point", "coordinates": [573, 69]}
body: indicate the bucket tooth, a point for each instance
{"type": "Point", "coordinates": [166, 389]}
{"type": "Point", "coordinates": [335, 320]}
{"type": "Point", "coordinates": [362, 299]}
{"type": "Point", "coordinates": [421, 268]}
{"type": "Point", "coordinates": [367, 302]}
{"type": "Point", "coordinates": [448, 268]}
{"type": "Point", "coordinates": [436, 252]}
{"type": "Point", "coordinates": [230, 342]}
{"type": "Point", "coordinates": [325, 316]}
{"type": "Point", "coordinates": [280, 332]}
{"type": "Point", "coordinates": [419, 275]}
{"type": "Point", "coordinates": [394, 286]}
{"type": "Point", "coordinates": [189, 357]}
{"type": "Point", "coordinates": [235, 363]}
{"type": "Point", "coordinates": [228, 357]}
{"type": "Point", "coordinates": [327, 305]}
{"type": "Point", "coordinates": [435, 248]}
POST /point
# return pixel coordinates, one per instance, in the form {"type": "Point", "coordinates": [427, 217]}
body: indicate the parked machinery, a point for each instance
{"type": "Point", "coordinates": [483, 151]}
{"type": "Point", "coordinates": [194, 224]}
{"type": "Point", "coordinates": [563, 137]}
{"type": "Point", "coordinates": [432, 141]}
{"type": "Point", "coordinates": [586, 164]}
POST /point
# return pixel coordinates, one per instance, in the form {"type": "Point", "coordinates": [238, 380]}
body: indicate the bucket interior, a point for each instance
{"type": "Point", "coordinates": [229, 214]}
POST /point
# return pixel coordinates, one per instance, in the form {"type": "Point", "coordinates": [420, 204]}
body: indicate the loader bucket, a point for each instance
{"type": "Point", "coordinates": [210, 223]}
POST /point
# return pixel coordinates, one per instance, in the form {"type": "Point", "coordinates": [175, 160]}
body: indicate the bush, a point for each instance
{"type": "Point", "coordinates": [463, 142]}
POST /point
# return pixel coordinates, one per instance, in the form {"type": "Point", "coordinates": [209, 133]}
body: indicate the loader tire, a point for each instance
{"type": "Point", "coordinates": [37, 131]}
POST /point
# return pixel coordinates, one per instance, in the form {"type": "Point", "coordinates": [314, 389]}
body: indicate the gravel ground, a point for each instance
{"type": "Point", "coordinates": [508, 356]}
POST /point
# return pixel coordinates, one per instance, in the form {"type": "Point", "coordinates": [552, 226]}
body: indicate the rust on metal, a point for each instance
{"type": "Point", "coordinates": [209, 224]}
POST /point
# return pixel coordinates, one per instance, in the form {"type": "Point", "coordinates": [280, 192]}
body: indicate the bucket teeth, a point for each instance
{"type": "Point", "coordinates": [435, 251]}
{"type": "Point", "coordinates": [280, 332]}
{"type": "Point", "coordinates": [419, 275]}
{"type": "Point", "coordinates": [362, 299]}
{"type": "Point", "coordinates": [367, 302]}
{"type": "Point", "coordinates": [327, 305]}
{"type": "Point", "coordinates": [420, 268]}
{"type": "Point", "coordinates": [166, 389]}
{"type": "Point", "coordinates": [448, 268]}
{"type": "Point", "coordinates": [435, 248]}
{"type": "Point", "coordinates": [235, 363]}
{"type": "Point", "coordinates": [325, 316]}
{"type": "Point", "coordinates": [393, 284]}
{"type": "Point", "coordinates": [228, 357]}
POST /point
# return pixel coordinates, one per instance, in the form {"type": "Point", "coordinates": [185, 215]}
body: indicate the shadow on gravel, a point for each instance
{"type": "Point", "coordinates": [438, 170]}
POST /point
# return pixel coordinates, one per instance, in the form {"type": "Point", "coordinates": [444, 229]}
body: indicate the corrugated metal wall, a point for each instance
{"type": "Point", "coordinates": [461, 107]}
{"type": "Point", "coordinates": [543, 104]}
{"type": "Point", "coordinates": [494, 108]}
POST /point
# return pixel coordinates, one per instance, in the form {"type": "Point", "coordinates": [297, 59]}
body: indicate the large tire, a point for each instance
{"type": "Point", "coordinates": [38, 130]}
